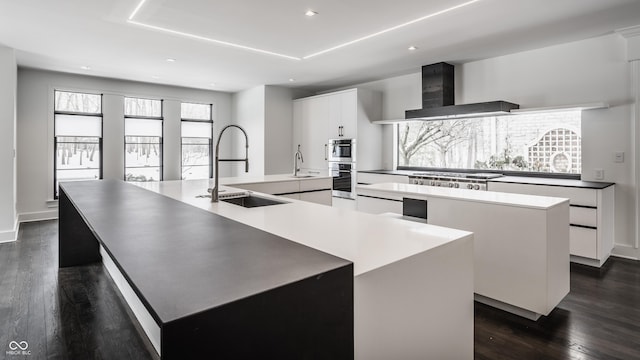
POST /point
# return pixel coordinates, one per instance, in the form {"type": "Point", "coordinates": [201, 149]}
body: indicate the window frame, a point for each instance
{"type": "Point", "coordinates": [160, 142]}
{"type": "Point", "coordinates": [56, 195]}
{"type": "Point", "coordinates": [535, 174]}
{"type": "Point", "coordinates": [210, 121]}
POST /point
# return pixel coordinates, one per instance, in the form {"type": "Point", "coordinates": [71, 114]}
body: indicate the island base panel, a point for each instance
{"type": "Point", "coordinates": [418, 308]}
{"type": "Point", "coordinates": [77, 245]}
{"type": "Point", "coordinates": [308, 319]}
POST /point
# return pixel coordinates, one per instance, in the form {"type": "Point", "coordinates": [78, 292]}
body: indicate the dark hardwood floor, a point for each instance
{"type": "Point", "coordinates": [599, 319]}
{"type": "Point", "coordinates": [71, 313]}
{"type": "Point", "coordinates": [77, 313]}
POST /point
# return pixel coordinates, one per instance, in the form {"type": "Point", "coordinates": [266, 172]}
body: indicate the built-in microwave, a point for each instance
{"type": "Point", "coordinates": [342, 150]}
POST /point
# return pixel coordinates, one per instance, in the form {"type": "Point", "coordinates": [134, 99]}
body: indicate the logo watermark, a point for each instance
{"type": "Point", "coordinates": [18, 348]}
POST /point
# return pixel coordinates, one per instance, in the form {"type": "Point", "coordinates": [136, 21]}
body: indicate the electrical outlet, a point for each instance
{"type": "Point", "coordinates": [618, 157]}
{"type": "Point", "coordinates": [598, 174]}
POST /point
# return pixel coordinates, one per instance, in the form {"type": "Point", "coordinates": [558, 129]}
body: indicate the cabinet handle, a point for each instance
{"type": "Point", "coordinates": [340, 133]}
{"type": "Point", "coordinates": [326, 151]}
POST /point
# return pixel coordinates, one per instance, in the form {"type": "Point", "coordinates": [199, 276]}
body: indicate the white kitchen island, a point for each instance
{"type": "Point", "coordinates": [521, 242]}
{"type": "Point", "coordinates": [413, 283]}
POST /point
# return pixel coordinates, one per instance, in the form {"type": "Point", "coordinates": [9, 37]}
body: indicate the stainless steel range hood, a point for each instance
{"type": "Point", "coordinates": [438, 98]}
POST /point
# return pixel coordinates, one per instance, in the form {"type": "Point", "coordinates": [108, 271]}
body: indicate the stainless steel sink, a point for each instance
{"type": "Point", "coordinates": [251, 201]}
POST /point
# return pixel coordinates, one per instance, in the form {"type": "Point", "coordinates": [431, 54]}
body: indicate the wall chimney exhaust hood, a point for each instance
{"type": "Point", "coordinates": [438, 98]}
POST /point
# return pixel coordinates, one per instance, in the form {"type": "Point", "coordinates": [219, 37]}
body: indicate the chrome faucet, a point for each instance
{"type": "Point", "coordinates": [214, 192]}
{"type": "Point", "coordinates": [296, 156]}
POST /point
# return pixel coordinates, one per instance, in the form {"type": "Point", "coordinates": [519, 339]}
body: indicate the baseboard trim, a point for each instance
{"type": "Point", "coordinates": [11, 235]}
{"type": "Point", "coordinates": [38, 216]}
{"type": "Point", "coordinates": [626, 251]}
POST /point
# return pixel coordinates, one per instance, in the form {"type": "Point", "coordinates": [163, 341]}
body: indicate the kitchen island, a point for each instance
{"type": "Point", "coordinates": [521, 242]}
{"type": "Point", "coordinates": [411, 284]}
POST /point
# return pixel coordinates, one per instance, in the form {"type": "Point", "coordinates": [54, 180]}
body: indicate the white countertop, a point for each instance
{"type": "Point", "coordinates": [499, 198]}
{"type": "Point", "coordinates": [271, 178]}
{"type": "Point", "coordinates": [369, 241]}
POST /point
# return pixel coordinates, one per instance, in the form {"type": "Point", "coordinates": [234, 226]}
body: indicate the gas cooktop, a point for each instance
{"type": "Point", "coordinates": [453, 175]}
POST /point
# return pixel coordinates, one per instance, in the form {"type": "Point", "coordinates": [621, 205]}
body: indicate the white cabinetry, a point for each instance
{"type": "Point", "coordinates": [378, 205]}
{"type": "Point", "coordinates": [590, 216]}
{"type": "Point", "coordinates": [373, 178]}
{"type": "Point", "coordinates": [315, 190]}
{"type": "Point", "coordinates": [342, 114]}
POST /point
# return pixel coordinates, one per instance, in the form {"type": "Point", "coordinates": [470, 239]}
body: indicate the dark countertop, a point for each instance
{"type": "Point", "coordinates": [389, 172]}
{"type": "Point", "coordinates": [515, 179]}
{"type": "Point", "coordinates": [182, 260]}
{"type": "Point", "coordinates": [553, 182]}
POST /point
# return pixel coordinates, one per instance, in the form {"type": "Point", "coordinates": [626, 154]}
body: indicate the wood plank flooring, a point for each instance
{"type": "Point", "coordinates": [71, 313]}
{"type": "Point", "coordinates": [78, 313]}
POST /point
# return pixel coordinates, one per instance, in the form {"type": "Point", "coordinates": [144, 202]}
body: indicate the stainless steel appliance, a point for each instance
{"type": "Point", "coordinates": [344, 179]}
{"type": "Point", "coordinates": [342, 150]}
{"type": "Point", "coordinates": [471, 181]}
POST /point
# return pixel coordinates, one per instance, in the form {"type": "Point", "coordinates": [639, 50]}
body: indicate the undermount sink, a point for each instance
{"type": "Point", "coordinates": [301, 176]}
{"type": "Point", "coordinates": [251, 201]}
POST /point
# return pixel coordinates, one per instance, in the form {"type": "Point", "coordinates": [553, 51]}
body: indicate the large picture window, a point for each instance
{"type": "Point", "coordinates": [77, 137]}
{"type": "Point", "coordinates": [197, 128]}
{"type": "Point", "coordinates": [143, 139]}
{"type": "Point", "coordinates": [534, 143]}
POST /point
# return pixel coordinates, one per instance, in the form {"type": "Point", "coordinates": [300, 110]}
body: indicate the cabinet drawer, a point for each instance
{"type": "Point", "coordinates": [378, 206]}
{"type": "Point", "coordinates": [583, 242]}
{"type": "Point", "coordinates": [368, 178]}
{"type": "Point", "coordinates": [316, 184]}
{"type": "Point", "coordinates": [583, 216]}
{"type": "Point", "coordinates": [318, 197]}
{"type": "Point", "coordinates": [282, 187]}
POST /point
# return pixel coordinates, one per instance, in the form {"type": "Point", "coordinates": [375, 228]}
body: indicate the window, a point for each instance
{"type": "Point", "coordinates": [77, 137]}
{"type": "Point", "coordinates": [197, 133]}
{"type": "Point", "coordinates": [142, 139]}
{"type": "Point", "coordinates": [536, 143]}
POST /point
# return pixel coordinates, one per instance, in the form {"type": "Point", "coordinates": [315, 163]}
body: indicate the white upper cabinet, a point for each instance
{"type": "Point", "coordinates": [343, 114]}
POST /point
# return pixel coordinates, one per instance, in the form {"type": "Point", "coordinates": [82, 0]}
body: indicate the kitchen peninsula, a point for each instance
{"type": "Point", "coordinates": [521, 242]}
{"type": "Point", "coordinates": [396, 302]}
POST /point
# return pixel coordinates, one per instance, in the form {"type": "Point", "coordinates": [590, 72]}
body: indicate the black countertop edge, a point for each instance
{"type": "Point", "coordinates": [530, 180]}
{"type": "Point", "coordinates": [553, 182]}
{"type": "Point", "coordinates": [389, 172]}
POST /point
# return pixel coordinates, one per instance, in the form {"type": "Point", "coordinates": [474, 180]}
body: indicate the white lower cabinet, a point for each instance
{"type": "Point", "coordinates": [373, 178]}
{"type": "Point", "coordinates": [591, 217]}
{"type": "Point", "coordinates": [374, 205]}
{"type": "Point", "coordinates": [315, 190]}
{"type": "Point", "coordinates": [319, 197]}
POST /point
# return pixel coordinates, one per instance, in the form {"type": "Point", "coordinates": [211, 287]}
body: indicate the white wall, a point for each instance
{"type": "Point", "coordinates": [248, 112]}
{"type": "Point", "coordinates": [8, 74]}
{"type": "Point", "coordinates": [593, 70]}
{"type": "Point", "coordinates": [266, 113]}
{"type": "Point", "coordinates": [35, 129]}
{"type": "Point", "coordinates": [278, 134]}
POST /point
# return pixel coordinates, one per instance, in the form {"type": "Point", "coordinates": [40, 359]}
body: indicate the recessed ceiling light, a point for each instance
{"type": "Point", "coordinates": [85, 67]}
{"type": "Point", "coordinates": [311, 13]}
{"type": "Point", "coordinates": [212, 84]}
{"type": "Point", "coordinates": [412, 48]}
{"type": "Point", "coordinates": [292, 80]}
{"type": "Point", "coordinates": [391, 29]}
{"type": "Point", "coordinates": [171, 60]}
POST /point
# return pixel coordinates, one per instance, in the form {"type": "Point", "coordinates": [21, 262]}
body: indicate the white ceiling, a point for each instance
{"type": "Point", "coordinates": [66, 35]}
